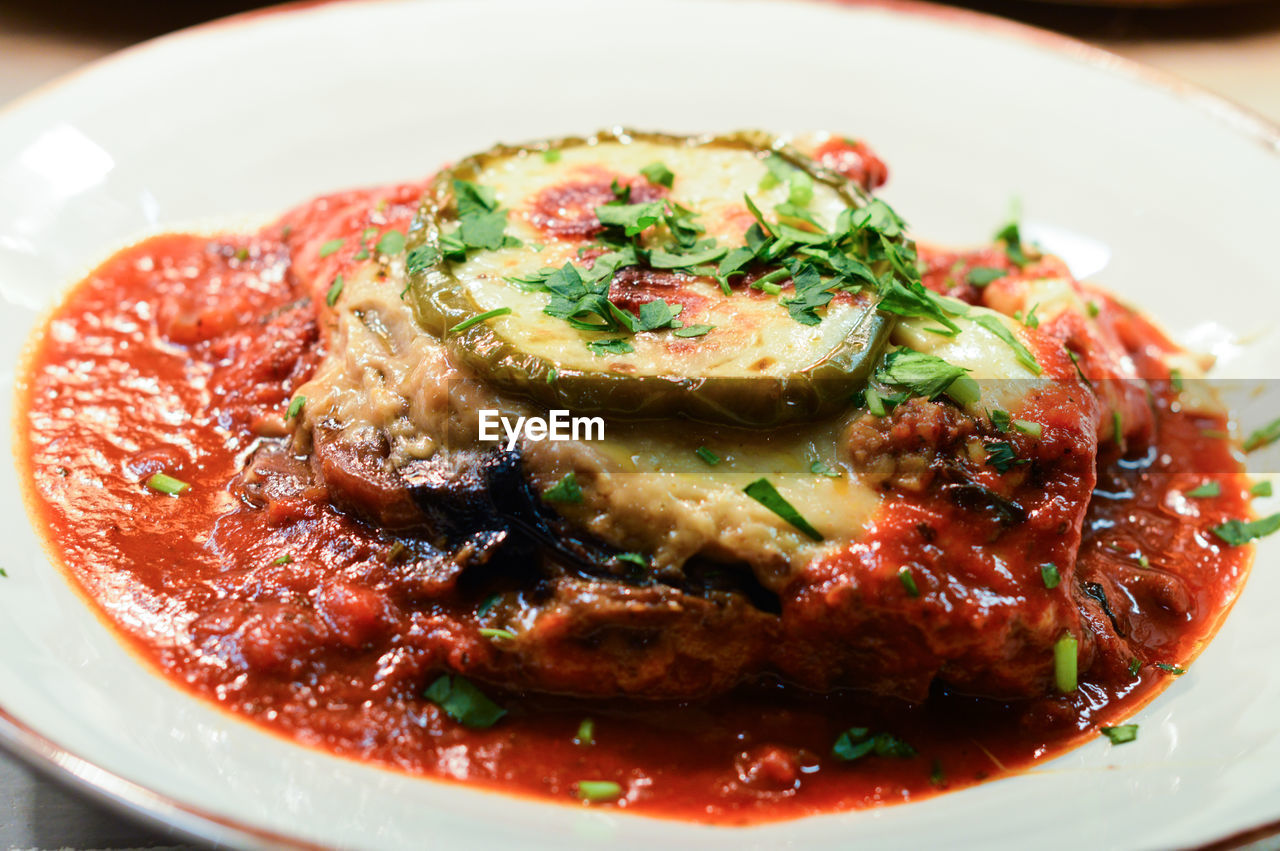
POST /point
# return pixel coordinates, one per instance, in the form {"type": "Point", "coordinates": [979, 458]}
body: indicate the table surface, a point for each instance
{"type": "Point", "coordinates": [1233, 50]}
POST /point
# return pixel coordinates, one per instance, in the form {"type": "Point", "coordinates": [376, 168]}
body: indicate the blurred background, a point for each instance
{"type": "Point", "coordinates": [1231, 49]}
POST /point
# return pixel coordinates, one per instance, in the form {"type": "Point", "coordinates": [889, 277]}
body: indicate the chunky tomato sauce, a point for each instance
{"type": "Point", "coordinates": [180, 355]}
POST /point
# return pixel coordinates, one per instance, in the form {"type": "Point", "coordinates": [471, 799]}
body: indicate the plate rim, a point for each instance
{"type": "Point", "coordinates": [159, 811]}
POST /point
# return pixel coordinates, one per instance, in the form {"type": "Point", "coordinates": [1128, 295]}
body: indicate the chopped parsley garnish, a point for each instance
{"type": "Point", "coordinates": [391, 243]}
{"type": "Point", "coordinates": [482, 224]}
{"type": "Point", "coordinates": [295, 407]}
{"type": "Point", "coordinates": [1064, 663]}
{"type": "Point", "coordinates": [1171, 669]}
{"type": "Point", "coordinates": [1003, 457]}
{"type": "Point", "coordinates": [242, 253]}
{"type": "Point", "coordinates": [500, 634]}
{"type": "Point", "coordinates": [1029, 428]}
{"type": "Point", "coordinates": [918, 373]}
{"type": "Point", "coordinates": [4, 573]}
{"type": "Point", "coordinates": [1001, 420]}
{"type": "Point", "coordinates": [463, 702]}
{"type": "Point", "coordinates": [1264, 436]}
{"type": "Point", "coordinates": [1175, 380]}
{"type": "Point", "coordinates": [799, 183]}
{"type": "Point", "coordinates": [937, 777]}
{"type": "Point", "coordinates": [1236, 533]}
{"type": "Point", "coordinates": [1021, 352]}
{"type": "Point", "coordinates": [908, 582]}
{"type": "Point", "coordinates": [632, 558]}
{"type": "Point", "coordinates": [1135, 665]}
{"type": "Point", "coordinates": [822, 469]}
{"type": "Point", "coordinates": [1208, 489]}
{"type": "Point", "coordinates": [284, 559]}
{"type": "Point", "coordinates": [421, 258]}
{"type": "Point", "coordinates": [1011, 236]}
{"type": "Point", "coordinates": [980, 276]}
{"type": "Point", "coordinates": [1122, 734]}
{"type": "Point", "coordinates": [586, 735]}
{"type": "Point", "coordinates": [551, 155]}
{"type": "Point", "coordinates": [1049, 575]}
{"type": "Point", "coordinates": [164, 483]}
{"type": "Point", "coordinates": [857, 742]}
{"type": "Point", "coordinates": [478, 318]}
{"type": "Point", "coordinates": [707, 455]}
{"type": "Point", "coordinates": [763, 492]}
{"type": "Point", "coordinates": [487, 604]}
{"type": "Point", "coordinates": [1261, 489]}
{"type": "Point", "coordinates": [565, 490]}
{"type": "Point", "coordinates": [693, 330]}
{"type": "Point", "coordinates": [613, 346]}
{"type": "Point", "coordinates": [331, 246]}
{"type": "Point", "coordinates": [597, 791]}
{"type": "Point", "coordinates": [1093, 310]}
{"type": "Point", "coordinates": [659, 174]}
{"type": "Point", "coordinates": [335, 290]}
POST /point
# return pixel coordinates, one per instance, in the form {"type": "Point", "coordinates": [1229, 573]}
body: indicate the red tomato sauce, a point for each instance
{"type": "Point", "coordinates": [180, 354]}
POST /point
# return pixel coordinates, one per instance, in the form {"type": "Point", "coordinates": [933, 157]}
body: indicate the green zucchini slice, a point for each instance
{"type": "Point", "coordinates": [502, 235]}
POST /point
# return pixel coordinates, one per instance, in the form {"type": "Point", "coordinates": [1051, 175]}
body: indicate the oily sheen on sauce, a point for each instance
{"type": "Point", "coordinates": [180, 353]}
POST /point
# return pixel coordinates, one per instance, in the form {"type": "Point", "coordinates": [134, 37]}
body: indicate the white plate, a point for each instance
{"type": "Point", "coordinates": [1176, 205]}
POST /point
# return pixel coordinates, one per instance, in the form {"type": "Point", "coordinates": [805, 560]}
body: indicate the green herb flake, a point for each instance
{"type": "Point", "coordinates": [763, 492]}
{"type": "Point", "coordinates": [1261, 489]}
{"type": "Point", "coordinates": [937, 777]}
{"type": "Point", "coordinates": [1021, 352]}
{"type": "Point", "coordinates": [1002, 456]}
{"type": "Point", "coordinates": [908, 582]}
{"type": "Point", "coordinates": [499, 634]}
{"type": "Point", "coordinates": [657, 173]}
{"type": "Point", "coordinates": [1175, 380]}
{"type": "Point", "coordinates": [981, 276]}
{"type": "Point", "coordinates": [693, 330]}
{"type": "Point", "coordinates": [1264, 436]}
{"type": "Point", "coordinates": [822, 469]}
{"type": "Point", "coordinates": [586, 735]}
{"type": "Point", "coordinates": [707, 455]}
{"type": "Point", "coordinates": [486, 604]}
{"type": "Point", "coordinates": [921, 374]}
{"type": "Point", "coordinates": [463, 702]}
{"type": "Point", "coordinates": [478, 318]}
{"type": "Point", "coordinates": [858, 742]}
{"type": "Point", "coordinates": [1029, 428]}
{"type": "Point", "coordinates": [167, 484]}
{"type": "Point", "coordinates": [391, 243]}
{"type": "Point", "coordinates": [566, 490]}
{"type": "Point", "coordinates": [613, 346]}
{"type": "Point", "coordinates": [632, 558]}
{"type": "Point", "coordinates": [1049, 575]}
{"type": "Point", "coordinates": [1093, 310]}
{"type": "Point", "coordinates": [421, 259]}
{"type": "Point", "coordinates": [295, 407]}
{"type": "Point", "coordinates": [1135, 665]}
{"type": "Point", "coordinates": [284, 559]}
{"type": "Point", "coordinates": [1001, 420]}
{"type": "Point", "coordinates": [4, 573]}
{"type": "Point", "coordinates": [1171, 669]}
{"type": "Point", "coordinates": [242, 254]}
{"type": "Point", "coordinates": [597, 791]}
{"type": "Point", "coordinates": [1235, 533]}
{"type": "Point", "coordinates": [335, 290]}
{"type": "Point", "coordinates": [1206, 490]}
{"type": "Point", "coordinates": [1122, 734]}
{"type": "Point", "coordinates": [551, 155]}
{"type": "Point", "coordinates": [1064, 663]}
